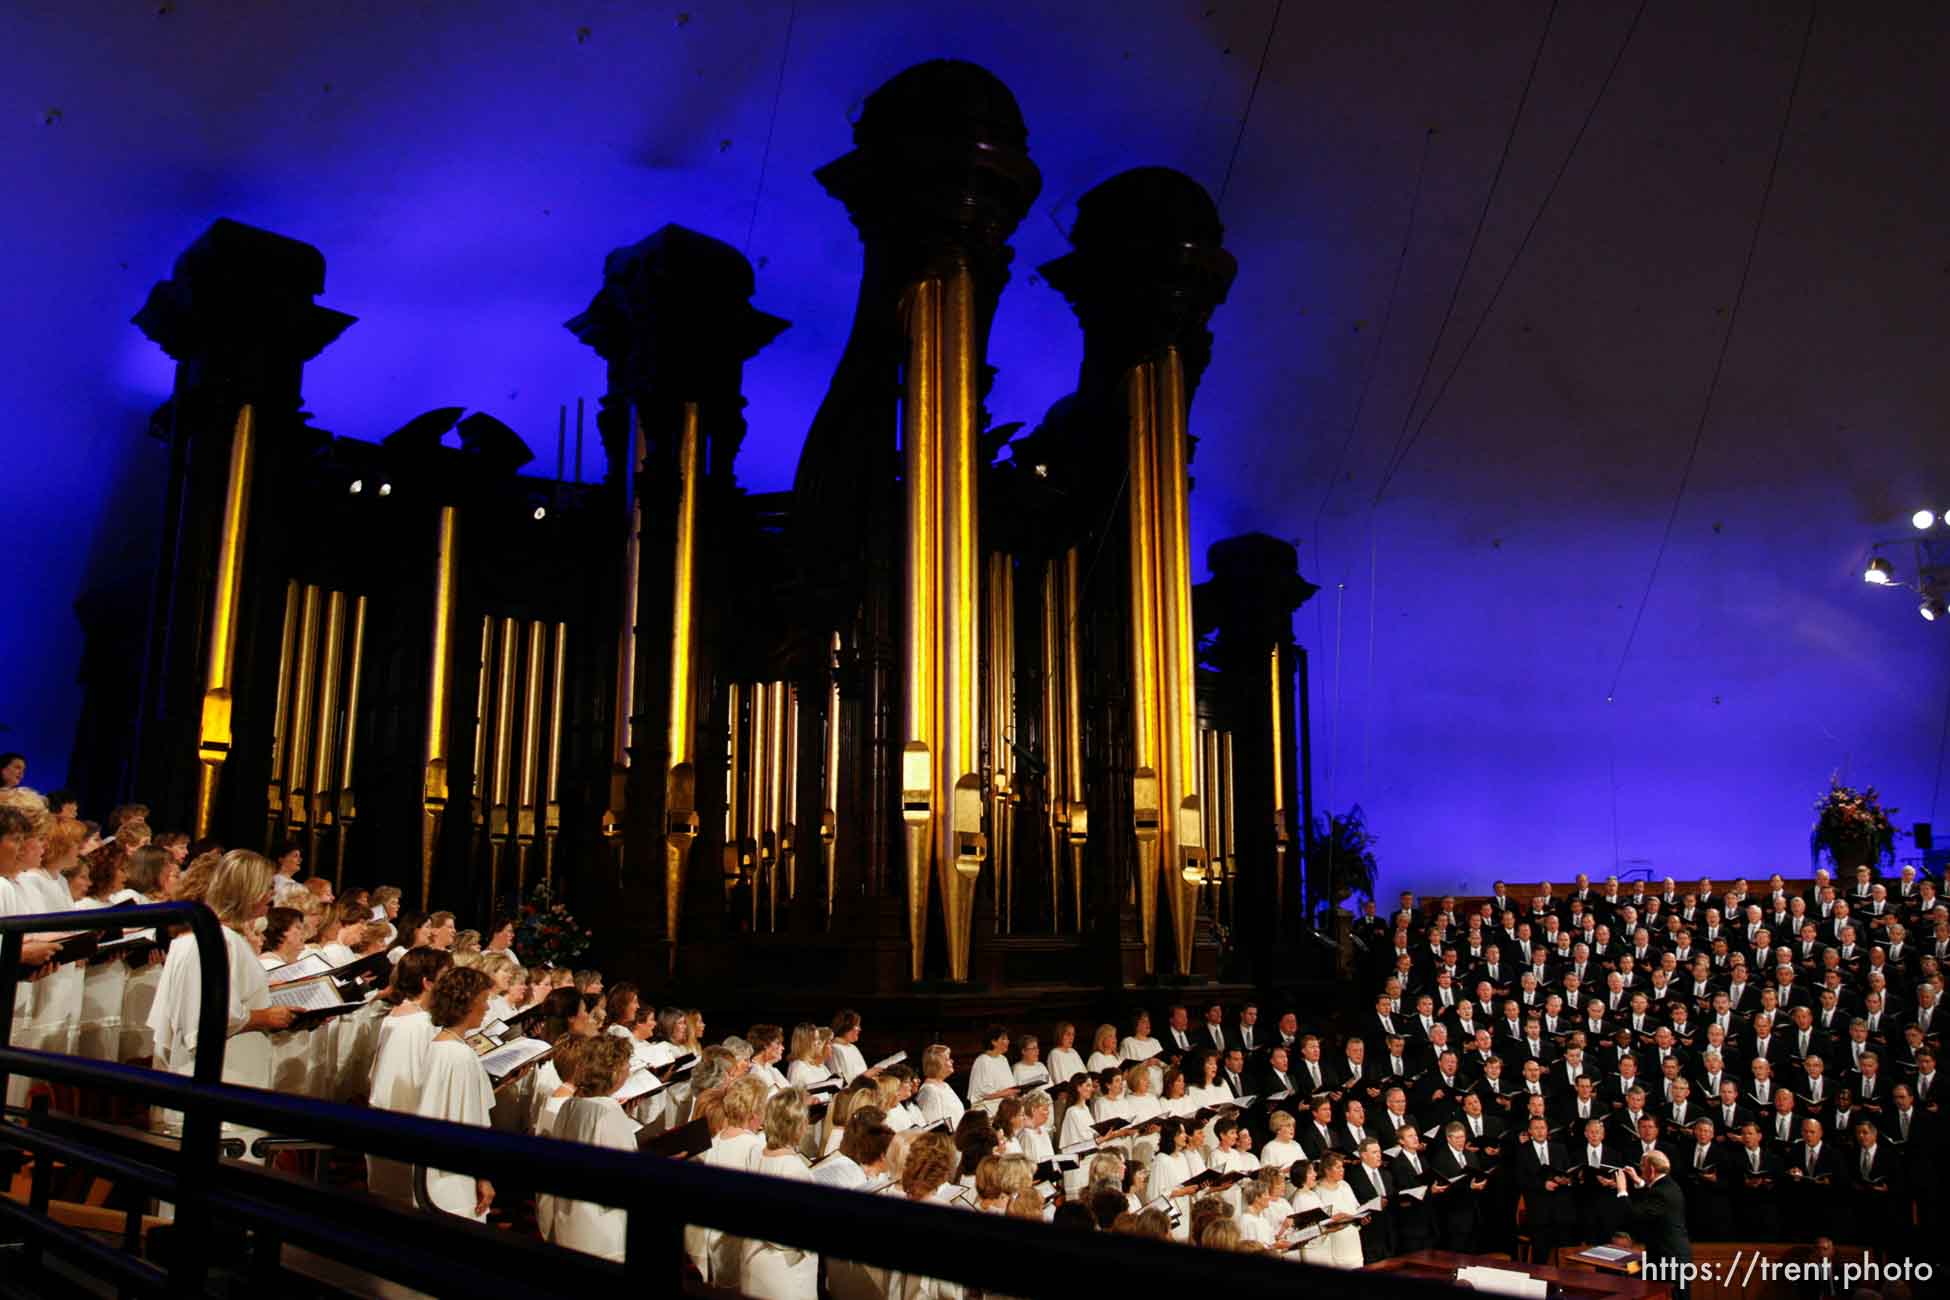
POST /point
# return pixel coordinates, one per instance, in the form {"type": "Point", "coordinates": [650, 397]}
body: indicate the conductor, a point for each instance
{"type": "Point", "coordinates": [1655, 1212]}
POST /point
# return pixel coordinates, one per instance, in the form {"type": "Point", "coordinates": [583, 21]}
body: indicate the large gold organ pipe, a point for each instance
{"type": "Point", "coordinates": [1278, 733]}
{"type": "Point", "coordinates": [1055, 786]}
{"type": "Point", "coordinates": [226, 595]}
{"type": "Point", "coordinates": [348, 806]}
{"type": "Point", "coordinates": [297, 780]}
{"type": "Point", "coordinates": [439, 695]}
{"type": "Point", "coordinates": [500, 759]}
{"type": "Point", "coordinates": [789, 784]}
{"type": "Point", "coordinates": [920, 448]}
{"type": "Point", "coordinates": [1001, 722]}
{"type": "Point", "coordinates": [680, 780]}
{"type": "Point", "coordinates": [1177, 662]}
{"type": "Point", "coordinates": [776, 776]}
{"type": "Point", "coordinates": [961, 847]}
{"type": "Point", "coordinates": [552, 812]}
{"type": "Point", "coordinates": [758, 797]}
{"type": "Point", "coordinates": [532, 754]}
{"type": "Point", "coordinates": [1072, 738]}
{"type": "Point", "coordinates": [735, 863]}
{"type": "Point", "coordinates": [829, 781]}
{"type": "Point", "coordinates": [1208, 803]}
{"type": "Point", "coordinates": [280, 713]}
{"type": "Point", "coordinates": [1227, 841]}
{"type": "Point", "coordinates": [1147, 684]}
{"type": "Point", "coordinates": [324, 766]}
{"type": "Point", "coordinates": [483, 719]}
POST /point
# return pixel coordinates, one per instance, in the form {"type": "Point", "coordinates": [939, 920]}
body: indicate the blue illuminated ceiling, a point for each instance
{"type": "Point", "coordinates": [464, 168]}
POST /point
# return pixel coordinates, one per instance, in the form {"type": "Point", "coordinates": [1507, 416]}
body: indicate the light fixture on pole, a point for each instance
{"type": "Point", "coordinates": [1880, 572]}
{"type": "Point", "coordinates": [1932, 608]}
{"type": "Point", "coordinates": [1923, 519]}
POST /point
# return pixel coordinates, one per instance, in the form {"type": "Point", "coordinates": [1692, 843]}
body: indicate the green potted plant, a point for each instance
{"type": "Point", "coordinates": [1340, 856]}
{"type": "Point", "coordinates": [1852, 828]}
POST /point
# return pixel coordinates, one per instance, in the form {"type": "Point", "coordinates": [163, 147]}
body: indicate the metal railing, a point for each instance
{"type": "Point", "coordinates": [247, 1214]}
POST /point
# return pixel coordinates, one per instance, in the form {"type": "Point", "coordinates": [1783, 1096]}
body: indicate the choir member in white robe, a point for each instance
{"type": "Point", "coordinates": [1140, 1046]}
{"type": "Point", "coordinates": [935, 1098]}
{"type": "Point", "coordinates": [1103, 1051]}
{"type": "Point", "coordinates": [1281, 1150]}
{"type": "Point", "coordinates": [57, 1002]}
{"type": "Point", "coordinates": [861, 1157]}
{"type": "Point", "coordinates": [1336, 1197]}
{"type": "Point", "coordinates": [239, 892]}
{"type": "Point", "coordinates": [1029, 1070]}
{"type": "Point", "coordinates": [768, 1271]}
{"type": "Point", "coordinates": [593, 1116]}
{"type": "Point", "coordinates": [845, 1059]}
{"type": "Point", "coordinates": [715, 1255]}
{"type": "Point", "coordinates": [104, 985]}
{"type": "Point", "coordinates": [1176, 1162]}
{"type": "Point", "coordinates": [806, 1064]}
{"type": "Point", "coordinates": [1065, 1062]}
{"type": "Point", "coordinates": [20, 820]}
{"type": "Point", "coordinates": [768, 1049]}
{"type": "Point", "coordinates": [1033, 1139]}
{"type": "Point", "coordinates": [399, 1063]}
{"type": "Point", "coordinates": [990, 1077]}
{"type": "Point", "coordinates": [457, 1088]}
{"type": "Point", "coordinates": [150, 880]}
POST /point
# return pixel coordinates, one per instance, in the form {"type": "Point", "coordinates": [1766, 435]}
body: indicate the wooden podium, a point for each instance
{"type": "Point", "coordinates": [1441, 1265]}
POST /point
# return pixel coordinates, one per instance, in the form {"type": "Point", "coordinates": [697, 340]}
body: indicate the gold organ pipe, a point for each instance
{"type": "Point", "coordinates": [1177, 664]}
{"type": "Point", "coordinates": [482, 719]}
{"type": "Point", "coordinates": [789, 785]}
{"type": "Point", "coordinates": [1072, 715]}
{"type": "Point", "coordinates": [1279, 785]}
{"type": "Point", "coordinates": [775, 779]}
{"type": "Point", "coordinates": [281, 714]}
{"type": "Point", "coordinates": [758, 799]}
{"type": "Point", "coordinates": [1208, 804]}
{"type": "Point", "coordinates": [1001, 701]}
{"type": "Point", "coordinates": [226, 597]}
{"type": "Point", "coordinates": [532, 743]}
{"type": "Point", "coordinates": [830, 779]}
{"type": "Point", "coordinates": [348, 808]}
{"type": "Point", "coordinates": [1147, 685]}
{"type": "Point", "coordinates": [680, 784]}
{"type": "Point", "coordinates": [734, 811]}
{"type": "Point", "coordinates": [439, 693]}
{"type": "Point", "coordinates": [297, 799]}
{"type": "Point", "coordinates": [1056, 788]}
{"type": "Point", "coordinates": [920, 450]}
{"type": "Point", "coordinates": [1226, 850]}
{"type": "Point", "coordinates": [324, 759]}
{"type": "Point", "coordinates": [501, 762]}
{"type": "Point", "coordinates": [961, 846]}
{"type": "Point", "coordinates": [552, 812]}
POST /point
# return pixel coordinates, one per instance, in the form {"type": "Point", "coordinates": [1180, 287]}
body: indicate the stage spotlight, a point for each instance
{"type": "Point", "coordinates": [1923, 518]}
{"type": "Point", "coordinates": [358, 486]}
{"type": "Point", "coordinates": [1879, 572]}
{"type": "Point", "coordinates": [385, 489]}
{"type": "Point", "coordinates": [1932, 608]}
{"type": "Point", "coordinates": [541, 512]}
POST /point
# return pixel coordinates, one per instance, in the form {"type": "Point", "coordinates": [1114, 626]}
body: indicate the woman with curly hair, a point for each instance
{"type": "Point", "coordinates": [457, 1088]}
{"type": "Point", "coordinates": [595, 1117]}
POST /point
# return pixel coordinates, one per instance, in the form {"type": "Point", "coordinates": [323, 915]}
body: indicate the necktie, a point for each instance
{"type": "Point", "coordinates": [1699, 1157]}
{"type": "Point", "coordinates": [1868, 1161]}
{"type": "Point", "coordinates": [1753, 1160]}
{"type": "Point", "coordinates": [1812, 1152]}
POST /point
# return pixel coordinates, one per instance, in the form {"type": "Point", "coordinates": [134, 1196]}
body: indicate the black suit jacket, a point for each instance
{"type": "Point", "coordinates": [1656, 1215]}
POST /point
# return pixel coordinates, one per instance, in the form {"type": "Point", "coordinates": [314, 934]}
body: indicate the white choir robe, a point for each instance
{"type": "Point", "coordinates": [1076, 1128]}
{"type": "Point", "coordinates": [988, 1075]}
{"type": "Point", "coordinates": [57, 999]}
{"type": "Point", "coordinates": [1034, 1144]}
{"type": "Point", "coordinates": [1144, 1108]}
{"type": "Point", "coordinates": [714, 1254]}
{"type": "Point", "coordinates": [845, 1061]}
{"type": "Point", "coordinates": [337, 953]}
{"type": "Point", "coordinates": [902, 1117]}
{"type": "Point", "coordinates": [1145, 1049]}
{"type": "Point", "coordinates": [1343, 1247]}
{"type": "Point", "coordinates": [1320, 1250]}
{"type": "Point", "coordinates": [937, 1102]}
{"type": "Point", "coordinates": [584, 1225]}
{"type": "Point", "coordinates": [1065, 1064]}
{"type": "Point", "coordinates": [179, 998]}
{"type": "Point", "coordinates": [139, 985]}
{"type": "Point", "coordinates": [399, 1073]}
{"type": "Point", "coordinates": [1255, 1228]}
{"type": "Point", "coordinates": [456, 1089]}
{"type": "Point", "coordinates": [1280, 1155]}
{"type": "Point", "coordinates": [98, 1018]}
{"type": "Point", "coordinates": [1121, 1109]}
{"type": "Point", "coordinates": [12, 904]}
{"type": "Point", "coordinates": [840, 1172]}
{"type": "Point", "coordinates": [1169, 1171]}
{"type": "Point", "coordinates": [771, 1272]}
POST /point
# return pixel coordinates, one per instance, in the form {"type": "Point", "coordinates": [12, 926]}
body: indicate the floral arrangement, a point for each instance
{"type": "Point", "coordinates": [546, 934]}
{"type": "Point", "coordinates": [1852, 827]}
{"type": "Point", "coordinates": [1340, 855]}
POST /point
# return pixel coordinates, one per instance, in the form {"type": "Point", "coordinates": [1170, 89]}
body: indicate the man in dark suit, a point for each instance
{"type": "Point", "coordinates": [1550, 1206]}
{"type": "Point", "coordinates": [1655, 1211]}
{"type": "Point", "coordinates": [1702, 1166]}
{"type": "Point", "coordinates": [1415, 1223]}
{"type": "Point", "coordinates": [1370, 1179]}
{"type": "Point", "coordinates": [1758, 1173]}
{"type": "Point", "coordinates": [1877, 1174]}
{"type": "Point", "coordinates": [1457, 1206]}
{"type": "Point", "coordinates": [1592, 1156]}
{"type": "Point", "coordinates": [1232, 1072]}
{"type": "Point", "coordinates": [1246, 1034]}
{"type": "Point", "coordinates": [1814, 1173]}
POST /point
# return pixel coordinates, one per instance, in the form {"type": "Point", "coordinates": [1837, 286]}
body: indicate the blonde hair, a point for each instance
{"type": "Point", "coordinates": [30, 805]}
{"type": "Point", "coordinates": [602, 1065]}
{"type": "Point", "coordinates": [931, 1161]}
{"type": "Point", "coordinates": [1003, 1176]}
{"type": "Point", "coordinates": [1104, 1031]}
{"type": "Point", "coordinates": [934, 1061]}
{"type": "Point", "coordinates": [1026, 1204]}
{"type": "Point", "coordinates": [805, 1044]}
{"type": "Point", "coordinates": [467, 941]}
{"type": "Point", "coordinates": [785, 1118]}
{"type": "Point", "coordinates": [468, 958]}
{"type": "Point", "coordinates": [385, 894]}
{"type": "Point", "coordinates": [1220, 1234]}
{"type": "Point", "coordinates": [240, 882]}
{"type": "Point", "coordinates": [742, 1100]}
{"type": "Point", "coordinates": [496, 964]}
{"type": "Point", "coordinates": [64, 839]}
{"type": "Point", "coordinates": [886, 1090]}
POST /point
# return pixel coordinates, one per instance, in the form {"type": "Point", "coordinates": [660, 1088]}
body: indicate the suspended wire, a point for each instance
{"type": "Point", "coordinates": [778, 92]}
{"type": "Point", "coordinates": [1482, 218]}
{"type": "Point", "coordinates": [1720, 360]}
{"type": "Point", "coordinates": [1251, 95]}
{"type": "Point", "coordinates": [1402, 454]}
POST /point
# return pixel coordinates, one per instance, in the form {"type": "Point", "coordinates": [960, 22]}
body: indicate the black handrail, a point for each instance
{"type": "Point", "coordinates": [992, 1252]}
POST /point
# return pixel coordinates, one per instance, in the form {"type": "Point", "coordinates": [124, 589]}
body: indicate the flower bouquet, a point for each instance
{"type": "Point", "coordinates": [546, 934]}
{"type": "Point", "coordinates": [1852, 828]}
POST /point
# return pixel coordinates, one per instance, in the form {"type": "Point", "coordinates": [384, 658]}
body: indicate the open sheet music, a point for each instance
{"type": "Point", "coordinates": [304, 968]}
{"type": "Point", "coordinates": [315, 994]}
{"type": "Point", "coordinates": [504, 1061]}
